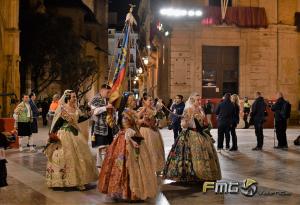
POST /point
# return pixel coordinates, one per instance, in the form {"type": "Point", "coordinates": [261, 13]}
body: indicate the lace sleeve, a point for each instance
{"type": "Point", "coordinates": [64, 114]}
{"type": "Point", "coordinates": [129, 133]}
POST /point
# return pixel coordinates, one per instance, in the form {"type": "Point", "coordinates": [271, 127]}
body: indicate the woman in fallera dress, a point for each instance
{"type": "Point", "coordinates": [70, 161]}
{"type": "Point", "coordinates": [149, 130]}
{"type": "Point", "coordinates": [127, 173]}
{"type": "Point", "coordinates": [193, 156]}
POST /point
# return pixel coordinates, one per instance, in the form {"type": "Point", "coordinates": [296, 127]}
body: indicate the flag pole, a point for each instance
{"type": "Point", "coordinates": [121, 67]}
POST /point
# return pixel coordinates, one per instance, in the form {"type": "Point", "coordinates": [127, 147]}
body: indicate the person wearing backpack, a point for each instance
{"type": "Point", "coordinates": [282, 111]}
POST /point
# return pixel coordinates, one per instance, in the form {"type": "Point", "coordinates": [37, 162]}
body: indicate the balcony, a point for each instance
{"type": "Point", "coordinates": [246, 17]}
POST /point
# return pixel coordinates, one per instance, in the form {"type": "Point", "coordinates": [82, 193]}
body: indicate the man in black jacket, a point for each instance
{"type": "Point", "coordinates": [258, 116]}
{"type": "Point", "coordinates": [177, 110]}
{"type": "Point", "coordinates": [280, 121]}
{"type": "Point", "coordinates": [224, 112]}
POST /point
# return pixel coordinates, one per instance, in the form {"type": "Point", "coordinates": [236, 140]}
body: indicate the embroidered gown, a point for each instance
{"type": "Point", "coordinates": [193, 156]}
{"type": "Point", "coordinates": [70, 163]}
{"type": "Point", "coordinates": [127, 172]}
{"type": "Point", "coordinates": [153, 139]}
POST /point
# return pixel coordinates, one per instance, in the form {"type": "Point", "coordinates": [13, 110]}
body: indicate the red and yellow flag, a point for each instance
{"type": "Point", "coordinates": [121, 65]}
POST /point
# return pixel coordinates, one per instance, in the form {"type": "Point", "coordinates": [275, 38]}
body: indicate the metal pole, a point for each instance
{"type": "Point", "coordinates": [129, 59]}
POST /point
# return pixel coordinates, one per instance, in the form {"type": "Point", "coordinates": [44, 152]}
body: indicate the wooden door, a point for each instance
{"type": "Point", "coordinates": [220, 72]}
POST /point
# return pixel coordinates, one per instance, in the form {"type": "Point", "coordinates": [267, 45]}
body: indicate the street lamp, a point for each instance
{"type": "Point", "coordinates": [177, 12]}
{"type": "Point", "coordinates": [167, 33]}
{"type": "Point", "coordinates": [146, 60]}
{"type": "Point", "coordinates": [198, 13]}
{"type": "Point", "coordinates": [160, 27]}
{"type": "Point", "coordinates": [140, 70]}
{"type": "Point", "coordinates": [191, 13]}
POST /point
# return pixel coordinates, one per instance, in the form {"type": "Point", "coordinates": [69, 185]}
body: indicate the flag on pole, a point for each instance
{"type": "Point", "coordinates": [121, 65]}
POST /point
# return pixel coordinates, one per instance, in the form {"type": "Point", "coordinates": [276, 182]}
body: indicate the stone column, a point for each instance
{"type": "Point", "coordinates": [9, 54]}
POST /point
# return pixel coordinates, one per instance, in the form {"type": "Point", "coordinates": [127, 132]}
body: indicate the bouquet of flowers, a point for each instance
{"type": "Point", "coordinates": [53, 138]}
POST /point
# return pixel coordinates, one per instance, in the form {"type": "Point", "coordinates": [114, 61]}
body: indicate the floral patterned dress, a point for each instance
{"type": "Point", "coordinates": [127, 172]}
{"type": "Point", "coordinates": [70, 163]}
{"type": "Point", "coordinates": [193, 156]}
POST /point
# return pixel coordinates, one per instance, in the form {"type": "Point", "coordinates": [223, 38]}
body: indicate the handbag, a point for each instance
{"type": "Point", "coordinates": [137, 139]}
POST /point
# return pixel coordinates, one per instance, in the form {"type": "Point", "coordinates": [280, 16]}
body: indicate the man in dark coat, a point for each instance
{"type": "Point", "coordinates": [258, 116]}
{"type": "Point", "coordinates": [177, 110]}
{"type": "Point", "coordinates": [35, 112]}
{"type": "Point", "coordinates": [280, 121]}
{"type": "Point", "coordinates": [34, 123]}
{"type": "Point", "coordinates": [224, 112]}
{"type": "Point", "coordinates": [45, 108]}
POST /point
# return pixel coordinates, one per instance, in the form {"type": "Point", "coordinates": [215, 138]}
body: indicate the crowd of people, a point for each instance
{"type": "Point", "coordinates": [130, 149]}
{"type": "Point", "coordinates": [26, 116]}
{"type": "Point", "coordinates": [228, 113]}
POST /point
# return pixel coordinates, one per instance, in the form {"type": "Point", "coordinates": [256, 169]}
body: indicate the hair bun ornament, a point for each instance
{"type": "Point", "coordinates": [68, 92]}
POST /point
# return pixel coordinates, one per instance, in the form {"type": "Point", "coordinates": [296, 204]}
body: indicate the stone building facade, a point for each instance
{"type": "Point", "coordinates": [89, 19]}
{"type": "Point", "coordinates": [9, 55]}
{"type": "Point", "coordinates": [266, 59]}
